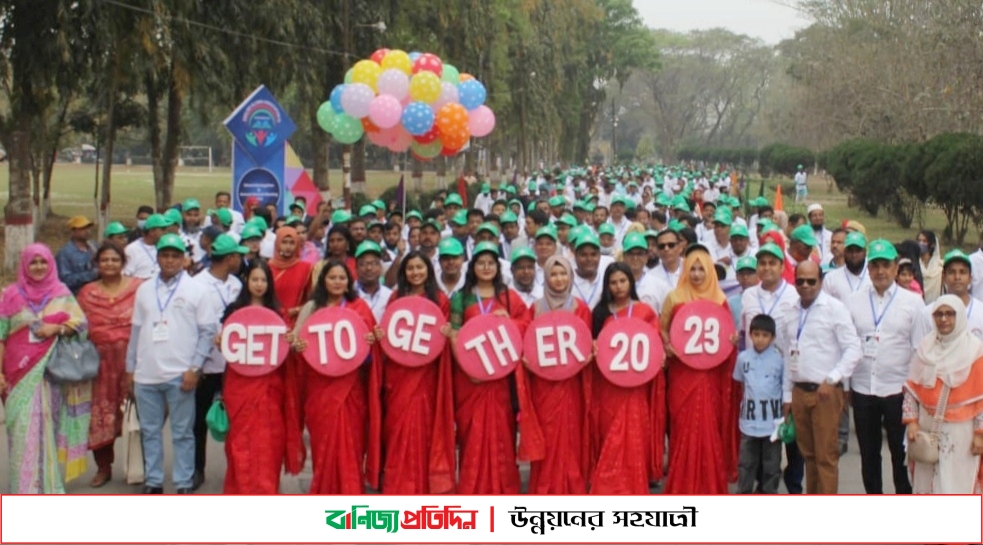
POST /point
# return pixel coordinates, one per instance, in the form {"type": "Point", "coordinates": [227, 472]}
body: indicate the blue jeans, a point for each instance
{"type": "Point", "coordinates": [152, 402]}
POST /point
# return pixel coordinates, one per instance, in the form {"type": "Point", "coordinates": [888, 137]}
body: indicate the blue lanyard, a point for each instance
{"type": "Point", "coordinates": [481, 307]}
{"type": "Point", "coordinates": [631, 305]}
{"type": "Point", "coordinates": [803, 316]}
{"type": "Point", "coordinates": [228, 293]}
{"type": "Point", "coordinates": [846, 273]}
{"type": "Point", "coordinates": [778, 298]}
{"type": "Point", "coordinates": [878, 319]}
{"type": "Point", "coordinates": [35, 309]}
{"type": "Point", "coordinates": [593, 290]}
{"type": "Point", "coordinates": [146, 251]}
{"type": "Point", "coordinates": [969, 311]}
{"type": "Point", "coordinates": [163, 306]}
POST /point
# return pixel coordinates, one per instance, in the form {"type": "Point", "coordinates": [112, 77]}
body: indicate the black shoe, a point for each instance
{"type": "Point", "coordinates": [185, 491]}
{"type": "Point", "coordinates": [153, 490]}
{"type": "Point", "coordinates": [197, 480]}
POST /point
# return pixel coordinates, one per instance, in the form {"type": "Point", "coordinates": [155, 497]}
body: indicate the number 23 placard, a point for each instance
{"type": "Point", "coordinates": [700, 334]}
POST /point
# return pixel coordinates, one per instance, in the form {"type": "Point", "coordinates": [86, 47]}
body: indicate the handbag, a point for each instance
{"type": "Point", "coordinates": [925, 447]}
{"type": "Point", "coordinates": [133, 466]}
{"type": "Point", "coordinates": [73, 359]}
{"type": "Point", "coordinates": [217, 420]}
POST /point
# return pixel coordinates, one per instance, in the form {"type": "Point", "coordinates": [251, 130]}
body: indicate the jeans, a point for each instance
{"type": "Point", "coordinates": [152, 402]}
{"type": "Point", "coordinates": [760, 460]}
{"type": "Point", "coordinates": [870, 415]}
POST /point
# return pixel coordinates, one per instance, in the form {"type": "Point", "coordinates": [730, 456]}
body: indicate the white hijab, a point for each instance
{"type": "Point", "coordinates": [946, 357]}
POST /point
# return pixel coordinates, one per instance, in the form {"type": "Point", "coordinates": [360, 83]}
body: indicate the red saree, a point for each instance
{"type": "Point", "coordinates": [418, 425]}
{"type": "Point", "coordinates": [255, 446]}
{"type": "Point", "coordinates": [344, 422]}
{"type": "Point", "coordinates": [485, 416]}
{"type": "Point", "coordinates": [110, 318]}
{"type": "Point", "coordinates": [627, 427]}
{"type": "Point", "coordinates": [553, 427]}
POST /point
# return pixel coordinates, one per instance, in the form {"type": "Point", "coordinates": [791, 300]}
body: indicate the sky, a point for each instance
{"type": "Point", "coordinates": [763, 19]}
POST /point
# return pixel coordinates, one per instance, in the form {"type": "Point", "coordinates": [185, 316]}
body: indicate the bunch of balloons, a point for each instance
{"type": "Point", "coordinates": [408, 102]}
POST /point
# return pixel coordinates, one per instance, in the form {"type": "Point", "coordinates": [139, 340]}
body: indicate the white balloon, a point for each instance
{"type": "Point", "coordinates": [394, 83]}
{"type": "Point", "coordinates": [356, 98]}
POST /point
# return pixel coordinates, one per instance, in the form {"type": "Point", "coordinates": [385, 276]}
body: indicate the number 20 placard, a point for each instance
{"type": "Point", "coordinates": [700, 334]}
{"type": "Point", "coordinates": [629, 352]}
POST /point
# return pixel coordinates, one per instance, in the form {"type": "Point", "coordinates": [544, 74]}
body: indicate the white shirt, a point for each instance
{"type": "Point", "coordinates": [376, 301]}
{"type": "Point", "coordinates": [976, 265]}
{"type": "Point", "coordinates": [841, 284]}
{"type": "Point", "coordinates": [457, 286]}
{"type": "Point", "coordinates": [162, 361]}
{"type": "Point", "coordinates": [141, 260]}
{"type": "Point", "coordinates": [779, 304]}
{"type": "Point", "coordinates": [484, 202]}
{"type": "Point", "coordinates": [620, 229]}
{"type": "Point", "coordinates": [238, 222]}
{"type": "Point", "coordinates": [267, 246]}
{"type": "Point", "coordinates": [528, 297]}
{"type": "Point", "coordinates": [671, 278]}
{"type": "Point", "coordinates": [218, 295]}
{"type": "Point", "coordinates": [800, 178]}
{"type": "Point", "coordinates": [823, 344]}
{"type": "Point", "coordinates": [193, 242]}
{"type": "Point", "coordinates": [652, 291]}
{"type": "Point", "coordinates": [825, 239]}
{"type": "Point", "coordinates": [588, 291]}
{"type": "Point", "coordinates": [974, 321]}
{"type": "Point", "coordinates": [886, 345]}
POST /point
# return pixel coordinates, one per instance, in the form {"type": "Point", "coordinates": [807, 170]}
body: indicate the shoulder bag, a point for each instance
{"type": "Point", "coordinates": [73, 359]}
{"type": "Point", "coordinates": [925, 447]}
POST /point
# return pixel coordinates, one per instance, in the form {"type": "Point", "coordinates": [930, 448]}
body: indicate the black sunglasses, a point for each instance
{"type": "Point", "coordinates": [667, 245]}
{"type": "Point", "coordinates": [804, 281]}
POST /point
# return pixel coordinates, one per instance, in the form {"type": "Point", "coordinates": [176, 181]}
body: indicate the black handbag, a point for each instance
{"type": "Point", "coordinates": [73, 359]}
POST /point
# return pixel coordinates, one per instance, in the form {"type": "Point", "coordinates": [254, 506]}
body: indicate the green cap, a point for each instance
{"type": "Point", "coordinates": [414, 214]}
{"type": "Point", "coordinates": [606, 229]}
{"type": "Point", "coordinates": [771, 249]}
{"type": "Point", "coordinates": [577, 232]}
{"type": "Point", "coordinates": [224, 215]}
{"type": "Point", "coordinates": [173, 241]}
{"type": "Point", "coordinates": [747, 262]}
{"type": "Point", "coordinates": [485, 188]}
{"type": "Point", "coordinates": [291, 220]}
{"type": "Point", "coordinates": [557, 200]}
{"type": "Point", "coordinates": [156, 221]}
{"type": "Point", "coordinates": [378, 204]}
{"type": "Point", "coordinates": [450, 247]}
{"type": "Point", "coordinates": [116, 228]}
{"type": "Point", "coordinates": [957, 255]}
{"type": "Point", "coordinates": [375, 224]}
{"type": "Point", "coordinates": [547, 231]}
{"type": "Point", "coordinates": [652, 233]}
{"type": "Point", "coordinates": [434, 224]}
{"type": "Point", "coordinates": [618, 199]}
{"type": "Point", "coordinates": [510, 189]}
{"type": "Point", "coordinates": [225, 245]}
{"type": "Point", "coordinates": [524, 252]}
{"type": "Point", "coordinates": [591, 239]}
{"type": "Point", "coordinates": [663, 199]}
{"type": "Point", "coordinates": [368, 246]}
{"type": "Point", "coordinates": [297, 205]}
{"type": "Point", "coordinates": [805, 235]}
{"type": "Point", "coordinates": [676, 225]}
{"type": "Point", "coordinates": [367, 210]}
{"type": "Point", "coordinates": [341, 216]}
{"type": "Point", "coordinates": [173, 217]}
{"type": "Point", "coordinates": [589, 206]}
{"type": "Point", "coordinates": [580, 204]}
{"type": "Point", "coordinates": [856, 239]}
{"type": "Point", "coordinates": [460, 217]}
{"type": "Point", "coordinates": [635, 241]}
{"type": "Point", "coordinates": [738, 230]}
{"type": "Point", "coordinates": [485, 246]}
{"type": "Point", "coordinates": [259, 223]}
{"type": "Point", "coordinates": [190, 204]}
{"type": "Point", "coordinates": [723, 217]}
{"type": "Point", "coordinates": [532, 186]}
{"type": "Point", "coordinates": [508, 217]}
{"type": "Point", "coordinates": [567, 219]}
{"type": "Point", "coordinates": [881, 249]}
{"type": "Point", "coordinates": [489, 227]}
{"type": "Point", "coordinates": [515, 201]}
{"type": "Point", "coordinates": [681, 205]}
{"type": "Point", "coordinates": [453, 198]}
{"type": "Point", "coordinates": [250, 231]}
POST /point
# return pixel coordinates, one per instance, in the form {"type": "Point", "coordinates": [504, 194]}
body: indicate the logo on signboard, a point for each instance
{"type": "Point", "coordinates": [262, 118]}
{"type": "Point", "coordinates": [260, 126]}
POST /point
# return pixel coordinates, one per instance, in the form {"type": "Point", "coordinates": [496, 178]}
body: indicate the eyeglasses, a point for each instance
{"type": "Point", "coordinates": [804, 281]}
{"type": "Point", "coordinates": [667, 245]}
{"type": "Point", "coordinates": [946, 314]}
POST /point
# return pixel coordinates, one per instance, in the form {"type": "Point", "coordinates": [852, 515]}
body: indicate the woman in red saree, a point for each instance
{"type": "Point", "coordinates": [483, 410]}
{"type": "Point", "coordinates": [702, 413]}
{"type": "Point", "coordinates": [255, 446]}
{"type": "Point", "coordinates": [418, 424]}
{"type": "Point", "coordinates": [344, 421]}
{"type": "Point", "coordinates": [108, 305]}
{"type": "Point", "coordinates": [553, 414]}
{"type": "Point", "coordinates": [627, 424]}
{"type": "Point", "coordinates": [291, 284]}
{"type": "Point", "coordinates": [341, 246]}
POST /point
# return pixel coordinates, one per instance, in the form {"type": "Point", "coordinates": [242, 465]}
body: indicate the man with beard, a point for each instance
{"type": "Point", "coordinates": [589, 270]}
{"type": "Point", "coordinates": [852, 278]}
{"type": "Point", "coordinates": [191, 228]}
{"type": "Point", "coordinates": [510, 232]}
{"type": "Point", "coordinates": [823, 235]}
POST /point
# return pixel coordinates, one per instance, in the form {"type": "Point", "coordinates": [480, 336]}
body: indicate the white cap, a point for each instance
{"type": "Point", "coordinates": [813, 208]}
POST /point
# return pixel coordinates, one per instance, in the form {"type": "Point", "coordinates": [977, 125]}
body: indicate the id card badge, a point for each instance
{"type": "Point", "coordinates": [793, 357]}
{"type": "Point", "coordinates": [161, 333]}
{"type": "Point", "coordinates": [870, 345]}
{"type": "Point", "coordinates": [31, 337]}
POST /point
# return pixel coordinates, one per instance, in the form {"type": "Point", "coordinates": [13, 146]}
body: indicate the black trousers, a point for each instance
{"type": "Point", "coordinates": [870, 414]}
{"type": "Point", "coordinates": [208, 386]}
{"type": "Point", "coordinates": [759, 460]}
{"type": "Point", "coordinates": [795, 470]}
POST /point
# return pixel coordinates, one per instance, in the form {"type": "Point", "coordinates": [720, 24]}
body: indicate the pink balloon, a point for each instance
{"type": "Point", "coordinates": [394, 83]}
{"type": "Point", "coordinates": [377, 138]}
{"type": "Point", "coordinates": [448, 94]}
{"type": "Point", "coordinates": [403, 141]}
{"type": "Point", "coordinates": [481, 121]}
{"type": "Point", "coordinates": [385, 111]}
{"type": "Point", "coordinates": [355, 99]}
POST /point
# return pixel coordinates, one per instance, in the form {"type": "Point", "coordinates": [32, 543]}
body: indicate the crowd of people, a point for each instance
{"type": "Point", "coordinates": [828, 323]}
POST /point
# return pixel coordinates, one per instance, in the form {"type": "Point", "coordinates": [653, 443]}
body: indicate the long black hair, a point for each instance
{"type": "Point", "coordinates": [603, 309]}
{"type": "Point", "coordinates": [909, 248]}
{"type": "Point", "coordinates": [320, 295]}
{"type": "Point", "coordinates": [245, 298]}
{"type": "Point", "coordinates": [429, 287]}
{"type": "Point", "coordinates": [343, 231]}
{"type": "Point", "coordinates": [471, 279]}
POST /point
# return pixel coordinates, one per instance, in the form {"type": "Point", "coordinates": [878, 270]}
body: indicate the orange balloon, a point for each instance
{"type": "Point", "coordinates": [451, 118]}
{"type": "Point", "coordinates": [465, 76]}
{"type": "Point", "coordinates": [369, 126]}
{"type": "Point", "coordinates": [457, 139]}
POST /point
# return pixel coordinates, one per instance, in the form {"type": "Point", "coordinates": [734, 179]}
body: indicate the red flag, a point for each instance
{"type": "Point", "coordinates": [462, 189]}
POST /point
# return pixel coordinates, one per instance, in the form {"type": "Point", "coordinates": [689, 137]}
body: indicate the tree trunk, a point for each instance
{"type": "Point", "coordinates": [417, 176]}
{"type": "Point", "coordinates": [153, 128]}
{"type": "Point", "coordinates": [441, 172]}
{"type": "Point", "coordinates": [321, 159]}
{"type": "Point", "coordinates": [469, 160]}
{"type": "Point", "coordinates": [102, 208]}
{"type": "Point", "coordinates": [175, 102]}
{"type": "Point", "coordinates": [358, 167]}
{"type": "Point", "coordinates": [18, 220]}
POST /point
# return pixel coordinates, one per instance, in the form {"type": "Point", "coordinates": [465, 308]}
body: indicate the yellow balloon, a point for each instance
{"type": "Point", "coordinates": [398, 59]}
{"type": "Point", "coordinates": [425, 87]}
{"type": "Point", "coordinates": [366, 72]}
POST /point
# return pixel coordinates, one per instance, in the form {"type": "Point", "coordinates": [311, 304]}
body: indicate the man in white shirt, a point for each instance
{"type": "Point", "coordinates": [171, 336]}
{"type": "Point", "coordinates": [823, 352]}
{"type": "Point", "coordinates": [451, 275]}
{"type": "Point", "coordinates": [524, 276]}
{"type": "Point", "coordinates": [141, 254]}
{"type": "Point", "coordinates": [670, 249]}
{"type": "Point", "coordinates": [817, 217]}
{"type": "Point", "coordinates": [618, 219]}
{"type": "Point", "coordinates": [221, 287]}
{"type": "Point", "coordinates": [223, 199]}
{"type": "Point", "coordinates": [368, 266]}
{"type": "Point", "coordinates": [956, 278]}
{"type": "Point", "coordinates": [651, 289]}
{"type": "Point", "coordinates": [884, 315]}
{"type": "Point", "coordinates": [589, 270]}
{"type": "Point", "coordinates": [852, 278]}
{"type": "Point", "coordinates": [801, 185]}
{"type": "Point", "coordinates": [976, 262]}
{"type": "Point", "coordinates": [484, 199]}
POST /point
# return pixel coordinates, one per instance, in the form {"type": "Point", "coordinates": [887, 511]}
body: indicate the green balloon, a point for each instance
{"type": "Point", "coordinates": [347, 129]}
{"type": "Point", "coordinates": [348, 75]}
{"type": "Point", "coordinates": [451, 75]}
{"type": "Point", "coordinates": [325, 115]}
{"type": "Point", "coordinates": [427, 151]}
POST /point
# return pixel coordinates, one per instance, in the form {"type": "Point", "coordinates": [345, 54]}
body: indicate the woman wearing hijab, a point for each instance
{"type": "Point", "coordinates": [949, 363]}
{"type": "Point", "coordinates": [931, 265]}
{"type": "Point", "coordinates": [553, 414]}
{"type": "Point", "coordinates": [291, 284]}
{"type": "Point", "coordinates": [627, 425]}
{"type": "Point", "coordinates": [703, 404]}
{"type": "Point", "coordinates": [45, 423]}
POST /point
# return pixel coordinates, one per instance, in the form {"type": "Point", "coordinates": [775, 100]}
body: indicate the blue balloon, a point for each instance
{"type": "Point", "coordinates": [472, 94]}
{"type": "Point", "coordinates": [418, 118]}
{"type": "Point", "coordinates": [414, 55]}
{"type": "Point", "coordinates": [336, 98]}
